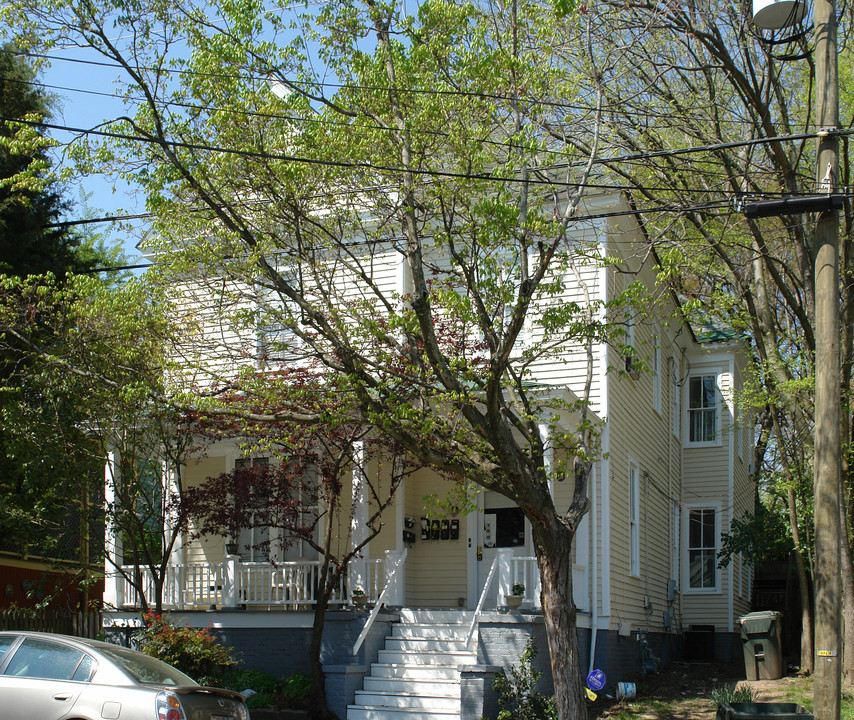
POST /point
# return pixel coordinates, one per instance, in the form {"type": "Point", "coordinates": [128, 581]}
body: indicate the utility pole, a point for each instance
{"type": "Point", "coordinates": [828, 586]}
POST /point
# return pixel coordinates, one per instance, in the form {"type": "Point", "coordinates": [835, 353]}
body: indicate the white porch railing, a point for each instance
{"type": "Point", "coordinates": [524, 570]}
{"type": "Point", "coordinates": [231, 583]}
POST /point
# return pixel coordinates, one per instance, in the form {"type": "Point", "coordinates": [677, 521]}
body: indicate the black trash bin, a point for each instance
{"type": "Point", "coordinates": [763, 651]}
{"type": "Point", "coordinates": [762, 711]}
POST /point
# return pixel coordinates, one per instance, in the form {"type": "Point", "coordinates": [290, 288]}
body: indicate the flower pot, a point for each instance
{"type": "Point", "coordinates": [513, 601]}
{"type": "Point", "coordinates": [231, 548]}
{"type": "Point", "coordinates": [359, 600]}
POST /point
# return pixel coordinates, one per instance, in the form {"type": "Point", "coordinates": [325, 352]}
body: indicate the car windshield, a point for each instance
{"type": "Point", "coordinates": [145, 669]}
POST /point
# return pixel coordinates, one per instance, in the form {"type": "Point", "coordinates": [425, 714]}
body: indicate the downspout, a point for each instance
{"type": "Point", "coordinates": [604, 467]}
{"type": "Point", "coordinates": [594, 580]}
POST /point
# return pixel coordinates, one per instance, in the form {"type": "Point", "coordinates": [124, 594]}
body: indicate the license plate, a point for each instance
{"type": "Point", "coordinates": [221, 717]}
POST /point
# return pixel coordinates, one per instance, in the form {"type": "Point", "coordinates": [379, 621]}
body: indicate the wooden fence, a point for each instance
{"type": "Point", "coordinates": [80, 624]}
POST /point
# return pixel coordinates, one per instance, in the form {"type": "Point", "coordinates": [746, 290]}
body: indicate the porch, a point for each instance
{"type": "Point", "coordinates": [234, 583]}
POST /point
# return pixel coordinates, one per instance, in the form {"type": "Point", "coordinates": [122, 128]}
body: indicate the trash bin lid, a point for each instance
{"type": "Point", "coordinates": [758, 622]}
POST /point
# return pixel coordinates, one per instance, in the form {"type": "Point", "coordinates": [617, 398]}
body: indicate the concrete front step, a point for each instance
{"type": "Point", "coordinates": [415, 672]}
{"type": "Point", "coordinates": [355, 712]}
{"type": "Point", "coordinates": [420, 645]}
{"type": "Point", "coordinates": [431, 687]}
{"type": "Point", "coordinates": [397, 657]}
{"type": "Point", "coordinates": [433, 632]}
{"type": "Point", "coordinates": [411, 616]}
{"type": "Point", "coordinates": [409, 700]}
{"type": "Point", "coordinates": [417, 675]}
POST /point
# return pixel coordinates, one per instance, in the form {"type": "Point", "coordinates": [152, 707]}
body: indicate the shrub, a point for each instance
{"type": "Point", "coordinates": [516, 695]}
{"type": "Point", "coordinates": [297, 687]}
{"type": "Point", "coordinates": [194, 651]}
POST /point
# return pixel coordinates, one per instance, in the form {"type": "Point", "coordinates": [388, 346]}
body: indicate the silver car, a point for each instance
{"type": "Point", "coordinates": [47, 677]}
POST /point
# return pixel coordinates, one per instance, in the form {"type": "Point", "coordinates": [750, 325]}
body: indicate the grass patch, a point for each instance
{"type": "Point", "coordinates": [801, 692]}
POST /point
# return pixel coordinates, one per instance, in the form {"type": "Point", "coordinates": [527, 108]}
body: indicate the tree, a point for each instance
{"type": "Point", "coordinates": [704, 113]}
{"type": "Point", "coordinates": [49, 503]}
{"type": "Point", "coordinates": [418, 139]}
{"type": "Point", "coordinates": [92, 353]}
{"type": "Point", "coordinates": [31, 240]}
{"type": "Point", "coordinates": [301, 492]}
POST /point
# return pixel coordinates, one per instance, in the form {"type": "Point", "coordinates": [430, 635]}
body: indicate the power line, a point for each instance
{"type": "Point", "coordinates": [177, 144]}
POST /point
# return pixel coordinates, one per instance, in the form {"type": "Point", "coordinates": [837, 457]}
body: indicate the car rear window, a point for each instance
{"type": "Point", "coordinates": [145, 669]}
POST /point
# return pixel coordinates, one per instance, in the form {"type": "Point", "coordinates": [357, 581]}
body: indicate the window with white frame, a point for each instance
{"type": "Point", "coordinates": [253, 543]}
{"type": "Point", "coordinates": [702, 548]}
{"type": "Point", "coordinates": [634, 521]}
{"type": "Point", "coordinates": [629, 352]}
{"type": "Point", "coordinates": [703, 409]}
{"type": "Point", "coordinates": [278, 340]}
{"type": "Point", "coordinates": [674, 569]}
{"type": "Point", "coordinates": [675, 397]}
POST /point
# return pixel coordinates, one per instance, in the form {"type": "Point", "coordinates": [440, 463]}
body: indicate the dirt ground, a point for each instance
{"type": "Point", "coordinates": [684, 689]}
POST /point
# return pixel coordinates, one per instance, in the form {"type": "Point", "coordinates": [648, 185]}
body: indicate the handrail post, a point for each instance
{"type": "Point", "coordinates": [380, 602]}
{"type": "Point", "coordinates": [482, 599]}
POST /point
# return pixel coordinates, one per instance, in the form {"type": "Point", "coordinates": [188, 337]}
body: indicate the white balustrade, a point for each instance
{"type": "Point", "coordinates": [232, 583]}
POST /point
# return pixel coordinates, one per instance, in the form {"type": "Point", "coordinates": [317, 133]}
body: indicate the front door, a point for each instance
{"type": "Point", "coordinates": [501, 526]}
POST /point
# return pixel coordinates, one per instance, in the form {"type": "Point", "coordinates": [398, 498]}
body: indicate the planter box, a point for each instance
{"type": "Point", "coordinates": [762, 711]}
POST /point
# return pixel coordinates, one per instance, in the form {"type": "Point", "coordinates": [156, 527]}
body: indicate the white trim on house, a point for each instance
{"type": "Point", "coordinates": [731, 493]}
{"type": "Point", "coordinates": [701, 373]}
{"type": "Point", "coordinates": [634, 519]}
{"type": "Point", "coordinates": [604, 524]}
{"type": "Point", "coordinates": [656, 368]}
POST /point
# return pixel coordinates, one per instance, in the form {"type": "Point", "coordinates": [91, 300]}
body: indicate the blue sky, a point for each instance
{"type": "Point", "coordinates": [84, 94]}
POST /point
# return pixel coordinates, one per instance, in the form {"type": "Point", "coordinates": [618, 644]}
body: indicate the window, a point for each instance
{"type": "Point", "coordinates": [702, 409]}
{"type": "Point", "coordinates": [702, 549]}
{"type": "Point", "coordinates": [629, 350]}
{"type": "Point", "coordinates": [37, 658]}
{"type": "Point", "coordinates": [253, 543]}
{"type": "Point", "coordinates": [278, 315]}
{"type": "Point", "coordinates": [634, 522]}
{"type": "Point", "coordinates": [675, 412]}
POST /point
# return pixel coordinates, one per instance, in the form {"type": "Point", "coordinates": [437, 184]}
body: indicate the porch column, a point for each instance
{"type": "Point", "coordinates": [359, 520]}
{"type": "Point", "coordinates": [113, 551]}
{"type": "Point", "coordinates": [505, 573]}
{"type": "Point", "coordinates": [548, 454]}
{"type": "Point", "coordinates": [394, 580]}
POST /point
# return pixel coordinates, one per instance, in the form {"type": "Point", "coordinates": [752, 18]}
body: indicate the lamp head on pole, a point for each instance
{"type": "Point", "coordinates": [778, 14]}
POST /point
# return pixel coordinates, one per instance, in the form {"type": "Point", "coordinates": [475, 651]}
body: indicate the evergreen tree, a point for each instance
{"type": "Point", "coordinates": [30, 201]}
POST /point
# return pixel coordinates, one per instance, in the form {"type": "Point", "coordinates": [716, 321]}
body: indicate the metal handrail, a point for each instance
{"type": "Point", "coordinates": [481, 600]}
{"type": "Point", "coordinates": [379, 603]}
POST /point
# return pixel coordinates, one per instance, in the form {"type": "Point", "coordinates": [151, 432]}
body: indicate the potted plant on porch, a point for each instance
{"type": "Point", "coordinates": [358, 597]}
{"type": "Point", "coordinates": [517, 594]}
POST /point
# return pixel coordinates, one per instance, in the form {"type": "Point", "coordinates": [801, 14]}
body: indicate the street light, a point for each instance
{"type": "Point", "coordinates": [828, 631]}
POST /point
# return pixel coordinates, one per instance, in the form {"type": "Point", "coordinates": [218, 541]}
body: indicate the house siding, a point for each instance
{"type": "Point", "coordinates": [436, 570]}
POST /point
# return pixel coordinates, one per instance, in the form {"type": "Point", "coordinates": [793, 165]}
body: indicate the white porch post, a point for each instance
{"type": "Point", "coordinates": [548, 454]}
{"type": "Point", "coordinates": [394, 580]}
{"type": "Point", "coordinates": [505, 573]}
{"type": "Point", "coordinates": [359, 519]}
{"type": "Point", "coordinates": [230, 581]}
{"type": "Point", "coordinates": [113, 582]}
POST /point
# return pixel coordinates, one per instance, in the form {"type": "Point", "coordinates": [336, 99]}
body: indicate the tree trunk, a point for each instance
{"type": "Point", "coordinates": [553, 543]}
{"type": "Point", "coordinates": [319, 708]}
{"type": "Point", "coordinates": [807, 654]}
